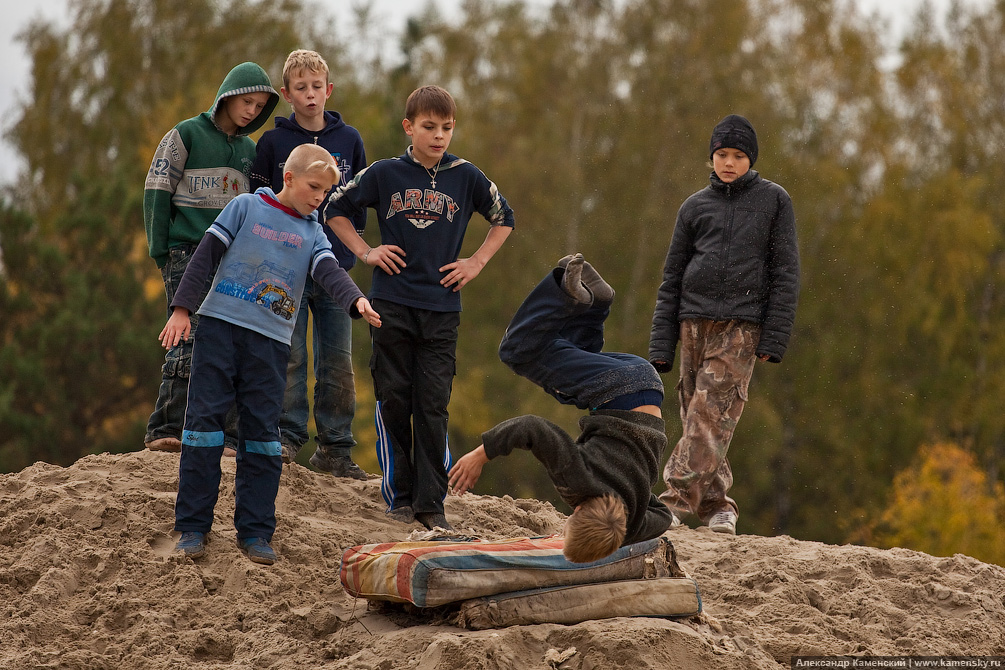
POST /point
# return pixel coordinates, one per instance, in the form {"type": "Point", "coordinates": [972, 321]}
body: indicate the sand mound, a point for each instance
{"type": "Point", "coordinates": [88, 580]}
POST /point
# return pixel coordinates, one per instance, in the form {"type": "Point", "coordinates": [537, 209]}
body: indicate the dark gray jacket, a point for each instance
{"type": "Point", "coordinates": [733, 255]}
{"type": "Point", "coordinates": [618, 452]}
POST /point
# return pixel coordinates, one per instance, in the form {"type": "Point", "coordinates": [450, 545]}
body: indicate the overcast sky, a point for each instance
{"type": "Point", "coordinates": [14, 63]}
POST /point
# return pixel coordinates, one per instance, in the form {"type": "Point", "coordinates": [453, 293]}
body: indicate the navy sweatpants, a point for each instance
{"type": "Point", "coordinates": [555, 342]}
{"type": "Point", "coordinates": [232, 364]}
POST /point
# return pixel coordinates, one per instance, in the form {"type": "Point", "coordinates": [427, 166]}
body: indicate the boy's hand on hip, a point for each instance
{"type": "Point", "coordinates": [466, 471]}
{"type": "Point", "coordinates": [388, 257]}
{"type": "Point", "coordinates": [366, 311]}
{"type": "Point", "coordinates": [178, 328]}
{"type": "Point", "coordinates": [460, 272]}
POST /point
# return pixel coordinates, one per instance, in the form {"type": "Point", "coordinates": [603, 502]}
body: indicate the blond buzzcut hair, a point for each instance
{"type": "Point", "coordinates": [311, 159]}
{"type": "Point", "coordinates": [595, 530]}
{"type": "Point", "coordinates": [303, 59]}
{"type": "Point", "coordinates": [431, 100]}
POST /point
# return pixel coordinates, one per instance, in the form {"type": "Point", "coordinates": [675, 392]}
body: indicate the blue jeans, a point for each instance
{"type": "Point", "coordinates": [168, 417]}
{"type": "Point", "coordinates": [232, 365]}
{"type": "Point", "coordinates": [334, 389]}
{"type": "Point", "coordinates": [555, 342]}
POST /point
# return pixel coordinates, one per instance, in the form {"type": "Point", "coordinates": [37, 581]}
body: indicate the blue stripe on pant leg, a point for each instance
{"type": "Point", "coordinates": [198, 438]}
{"type": "Point", "coordinates": [448, 458]}
{"type": "Point", "coordinates": [385, 458]}
{"type": "Point", "coordinates": [264, 448]}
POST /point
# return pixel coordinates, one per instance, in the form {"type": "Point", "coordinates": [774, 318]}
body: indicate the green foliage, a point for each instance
{"type": "Point", "coordinates": [944, 504]}
{"type": "Point", "coordinates": [75, 352]}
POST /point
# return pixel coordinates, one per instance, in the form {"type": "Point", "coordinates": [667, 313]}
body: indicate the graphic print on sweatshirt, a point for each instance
{"type": "Point", "coordinates": [422, 208]}
{"type": "Point", "coordinates": [268, 284]}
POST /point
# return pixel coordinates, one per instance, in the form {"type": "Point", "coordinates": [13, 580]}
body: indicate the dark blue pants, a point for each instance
{"type": "Point", "coordinates": [231, 364]}
{"type": "Point", "coordinates": [413, 365]}
{"type": "Point", "coordinates": [556, 343]}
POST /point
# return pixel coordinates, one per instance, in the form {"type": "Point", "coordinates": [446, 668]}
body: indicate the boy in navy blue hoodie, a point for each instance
{"type": "Point", "coordinates": [306, 87]}
{"type": "Point", "coordinates": [423, 200]}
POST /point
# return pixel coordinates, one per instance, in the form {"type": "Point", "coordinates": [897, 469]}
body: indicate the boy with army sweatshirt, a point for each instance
{"type": "Point", "coordinates": [424, 200]}
{"type": "Point", "coordinates": [199, 166]}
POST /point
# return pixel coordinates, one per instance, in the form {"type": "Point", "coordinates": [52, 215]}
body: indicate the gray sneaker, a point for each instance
{"type": "Point", "coordinates": [723, 522]}
{"type": "Point", "coordinates": [340, 466]}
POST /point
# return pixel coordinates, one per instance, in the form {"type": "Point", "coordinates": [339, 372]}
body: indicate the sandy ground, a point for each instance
{"type": "Point", "coordinates": [88, 580]}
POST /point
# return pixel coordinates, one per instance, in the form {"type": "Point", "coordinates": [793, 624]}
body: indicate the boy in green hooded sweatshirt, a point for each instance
{"type": "Point", "coordinates": [201, 165]}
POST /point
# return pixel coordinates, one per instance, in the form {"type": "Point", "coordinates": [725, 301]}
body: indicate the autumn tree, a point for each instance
{"type": "Point", "coordinates": [944, 504]}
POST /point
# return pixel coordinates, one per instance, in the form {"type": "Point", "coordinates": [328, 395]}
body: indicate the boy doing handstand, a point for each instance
{"type": "Point", "coordinates": [606, 475]}
{"type": "Point", "coordinates": [265, 244]}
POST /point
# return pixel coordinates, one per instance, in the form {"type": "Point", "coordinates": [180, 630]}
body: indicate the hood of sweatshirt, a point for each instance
{"type": "Point", "coordinates": [247, 78]}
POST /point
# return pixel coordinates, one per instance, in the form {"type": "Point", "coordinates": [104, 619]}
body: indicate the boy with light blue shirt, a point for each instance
{"type": "Point", "coordinates": [265, 245]}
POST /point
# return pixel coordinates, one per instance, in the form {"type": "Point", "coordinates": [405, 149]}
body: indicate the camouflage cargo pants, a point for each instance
{"type": "Point", "coordinates": [716, 363]}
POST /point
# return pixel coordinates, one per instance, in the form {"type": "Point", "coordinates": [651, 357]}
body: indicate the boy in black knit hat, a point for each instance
{"type": "Point", "coordinates": [608, 472]}
{"type": "Point", "coordinates": [729, 291]}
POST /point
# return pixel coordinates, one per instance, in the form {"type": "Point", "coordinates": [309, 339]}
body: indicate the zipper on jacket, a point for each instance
{"type": "Point", "coordinates": [727, 240]}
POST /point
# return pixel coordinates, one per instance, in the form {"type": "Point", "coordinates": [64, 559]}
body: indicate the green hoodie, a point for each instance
{"type": "Point", "coordinates": [197, 168]}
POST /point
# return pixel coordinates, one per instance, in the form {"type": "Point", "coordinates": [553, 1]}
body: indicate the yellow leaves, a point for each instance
{"type": "Point", "coordinates": [943, 504]}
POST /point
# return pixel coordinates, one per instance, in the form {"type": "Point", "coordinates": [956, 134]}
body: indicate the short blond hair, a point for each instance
{"type": "Point", "coordinates": [311, 159]}
{"type": "Point", "coordinates": [300, 60]}
{"type": "Point", "coordinates": [595, 530]}
{"type": "Point", "coordinates": [432, 100]}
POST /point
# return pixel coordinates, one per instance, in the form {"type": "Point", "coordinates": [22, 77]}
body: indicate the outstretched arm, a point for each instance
{"type": "Point", "coordinates": [466, 471]}
{"type": "Point", "coordinates": [463, 270]}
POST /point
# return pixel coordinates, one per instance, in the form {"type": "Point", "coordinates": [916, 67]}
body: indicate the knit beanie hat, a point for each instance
{"type": "Point", "coordinates": [734, 132]}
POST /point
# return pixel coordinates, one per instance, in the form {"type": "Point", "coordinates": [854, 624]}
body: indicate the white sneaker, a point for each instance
{"type": "Point", "coordinates": [675, 521]}
{"type": "Point", "coordinates": [723, 522]}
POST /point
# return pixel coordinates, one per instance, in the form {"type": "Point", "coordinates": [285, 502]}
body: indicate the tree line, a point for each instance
{"type": "Point", "coordinates": [593, 118]}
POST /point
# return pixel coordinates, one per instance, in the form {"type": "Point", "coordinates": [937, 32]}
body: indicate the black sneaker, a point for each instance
{"type": "Point", "coordinates": [340, 466]}
{"type": "Point", "coordinates": [433, 520]}
{"type": "Point", "coordinates": [404, 514]}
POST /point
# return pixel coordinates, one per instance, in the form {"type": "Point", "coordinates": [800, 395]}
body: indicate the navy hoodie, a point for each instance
{"type": "Point", "coordinates": [341, 140]}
